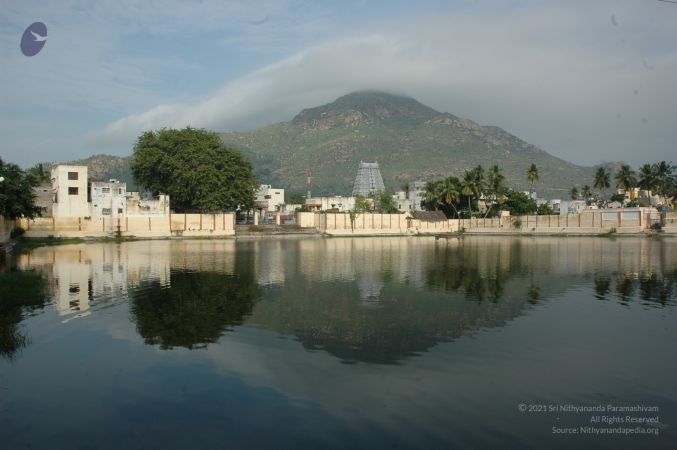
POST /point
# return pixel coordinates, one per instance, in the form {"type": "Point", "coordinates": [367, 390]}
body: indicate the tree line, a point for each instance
{"type": "Point", "coordinates": [461, 198]}
{"type": "Point", "coordinates": [660, 178]}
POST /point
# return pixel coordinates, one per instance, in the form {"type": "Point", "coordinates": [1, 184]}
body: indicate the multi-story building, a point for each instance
{"type": "Point", "coordinates": [69, 187]}
{"type": "Point", "coordinates": [416, 193]}
{"type": "Point", "coordinates": [269, 198]}
{"type": "Point", "coordinates": [73, 196]}
{"type": "Point", "coordinates": [403, 202]}
{"type": "Point", "coordinates": [109, 198]}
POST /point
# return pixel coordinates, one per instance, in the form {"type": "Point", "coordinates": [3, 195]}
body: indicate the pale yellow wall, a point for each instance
{"type": "Point", "coordinates": [139, 226]}
{"type": "Point", "coordinates": [305, 219]}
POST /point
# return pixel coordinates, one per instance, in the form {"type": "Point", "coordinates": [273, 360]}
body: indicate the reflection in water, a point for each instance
{"type": "Point", "coordinates": [335, 343]}
{"type": "Point", "coordinates": [374, 300]}
{"type": "Point", "coordinates": [653, 288]}
{"type": "Point", "coordinates": [20, 294]}
{"type": "Point", "coordinates": [194, 308]}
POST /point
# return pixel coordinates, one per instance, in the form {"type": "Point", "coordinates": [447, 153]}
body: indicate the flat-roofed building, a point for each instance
{"type": "Point", "coordinates": [334, 203]}
{"type": "Point", "coordinates": [269, 198]}
{"type": "Point", "coordinates": [109, 198]}
{"type": "Point", "coordinates": [69, 188]}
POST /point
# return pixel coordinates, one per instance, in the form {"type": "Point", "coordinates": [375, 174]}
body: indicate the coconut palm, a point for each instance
{"type": "Point", "coordinates": [405, 189]}
{"type": "Point", "coordinates": [574, 193]}
{"type": "Point", "coordinates": [495, 186]}
{"type": "Point", "coordinates": [602, 179]}
{"type": "Point", "coordinates": [663, 173]}
{"type": "Point", "coordinates": [469, 187]}
{"type": "Point", "coordinates": [532, 177]}
{"type": "Point", "coordinates": [431, 196]}
{"type": "Point", "coordinates": [450, 193]}
{"type": "Point", "coordinates": [625, 178]}
{"type": "Point", "coordinates": [587, 192]}
{"type": "Point", "coordinates": [647, 177]}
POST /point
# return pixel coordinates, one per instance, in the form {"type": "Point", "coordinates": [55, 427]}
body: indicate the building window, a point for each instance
{"type": "Point", "coordinates": [105, 190]}
{"type": "Point", "coordinates": [72, 191]}
{"type": "Point", "coordinates": [119, 210]}
{"type": "Point", "coordinates": [72, 175]}
{"type": "Point", "coordinates": [105, 211]}
{"type": "Point", "coordinates": [120, 191]}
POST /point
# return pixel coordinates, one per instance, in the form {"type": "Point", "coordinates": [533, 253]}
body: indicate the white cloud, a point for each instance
{"type": "Point", "coordinates": [557, 76]}
{"type": "Point", "coordinates": [561, 76]}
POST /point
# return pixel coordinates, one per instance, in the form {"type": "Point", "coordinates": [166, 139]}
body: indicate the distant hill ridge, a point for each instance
{"type": "Point", "coordinates": [411, 141]}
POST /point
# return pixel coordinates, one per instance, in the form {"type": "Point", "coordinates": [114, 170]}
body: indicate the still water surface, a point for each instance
{"type": "Point", "coordinates": [337, 343]}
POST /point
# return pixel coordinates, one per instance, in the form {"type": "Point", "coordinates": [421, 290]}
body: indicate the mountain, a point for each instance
{"type": "Point", "coordinates": [104, 167]}
{"type": "Point", "coordinates": [409, 140]}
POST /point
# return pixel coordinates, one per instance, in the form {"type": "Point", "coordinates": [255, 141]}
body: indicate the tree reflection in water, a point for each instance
{"type": "Point", "coordinates": [21, 293]}
{"type": "Point", "coordinates": [463, 292]}
{"type": "Point", "coordinates": [651, 287]}
{"type": "Point", "coordinates": [195, 309]}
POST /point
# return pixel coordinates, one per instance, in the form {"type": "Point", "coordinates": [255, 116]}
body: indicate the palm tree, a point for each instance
{"type": "Point", "coordinates": [469, 188]}
{"type": "Point", "coordinates": [587, 193]}
{"type": "Point", "coordinates": [450, 193]}
{"type": "Point", "coordinates": [532, 177]}
{"type": "Point", "coordinates": [663, 173]}
{"type": "Point", "coordinates": [431, 195]}
{"type": "Point", "coordinates": [625, 178]}
{"type": "Point", "coordinates": [495, 186]}
{"type": "Point", "coordinates": [647, 177]}
{"type": "Point", "coordinates": [405, 188]}
{"type": "Point", "coordinates": [574, 193]}
{"type": "Point", "coordinates": [602, 179]}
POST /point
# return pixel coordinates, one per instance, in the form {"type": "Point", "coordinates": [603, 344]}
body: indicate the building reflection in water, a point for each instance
{"type": "Point", "coordinates": [374, 299]}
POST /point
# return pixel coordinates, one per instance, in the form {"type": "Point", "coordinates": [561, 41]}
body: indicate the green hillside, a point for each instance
{"type": "Point", "coordinates": [409, 140]}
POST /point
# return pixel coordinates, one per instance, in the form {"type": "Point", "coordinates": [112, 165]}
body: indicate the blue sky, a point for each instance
{"type": "Point", "coordinates": [588, 81]}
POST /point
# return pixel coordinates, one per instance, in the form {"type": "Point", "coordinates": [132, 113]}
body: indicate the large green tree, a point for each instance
{"type": "Point", "coordinates": [195, 168]}
{"type": "Point", "coordinates": [16, 192]}
{"type": "Point", "coordinates": [519, 204]}
{"type": "Point", "coordinates": [385, 203]}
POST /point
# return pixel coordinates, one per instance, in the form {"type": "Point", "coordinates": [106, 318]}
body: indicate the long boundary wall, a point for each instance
{"type": "Point", "coordinates": [593, 222]}
{"type": "Point", "coordinates": [341, 224]}
{"type": "Point", "coordinates": [188, 225]}
{"type": "Point", "coordinates": [589, 222]}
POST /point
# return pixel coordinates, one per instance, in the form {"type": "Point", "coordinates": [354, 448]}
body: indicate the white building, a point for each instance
{"type": "Point", "coordinates": [156, 206]}
{"type": "Point", "coordinates": [555, 204]}
{"type": "Point", "coordinates": [338, 203]}
{"type": "Point", "coordinates": [69, 186]}
{"type": "Point", "coordinates": [570, 207]}
{"type": "Point", "coordinates": [416, 193]}
{"type": "Point", "coordinates": [402, 201]}
{"type": "Point", "coordinates": [109, 198]}
{"type": "Point", "coordinates": [269, 198]}
{"type": "Point", "coordinates": [72, 197]}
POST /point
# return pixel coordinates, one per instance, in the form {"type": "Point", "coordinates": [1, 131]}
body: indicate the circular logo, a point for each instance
{"type": "Point", "coordinates": [33, 39]}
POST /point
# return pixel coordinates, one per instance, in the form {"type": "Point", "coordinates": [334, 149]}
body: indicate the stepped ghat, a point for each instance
{"type": "Point", "coordinates": [368, 180]}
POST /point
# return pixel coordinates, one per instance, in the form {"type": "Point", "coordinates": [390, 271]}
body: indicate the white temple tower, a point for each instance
{"type": "Point", "coordinates": [368, 180]}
